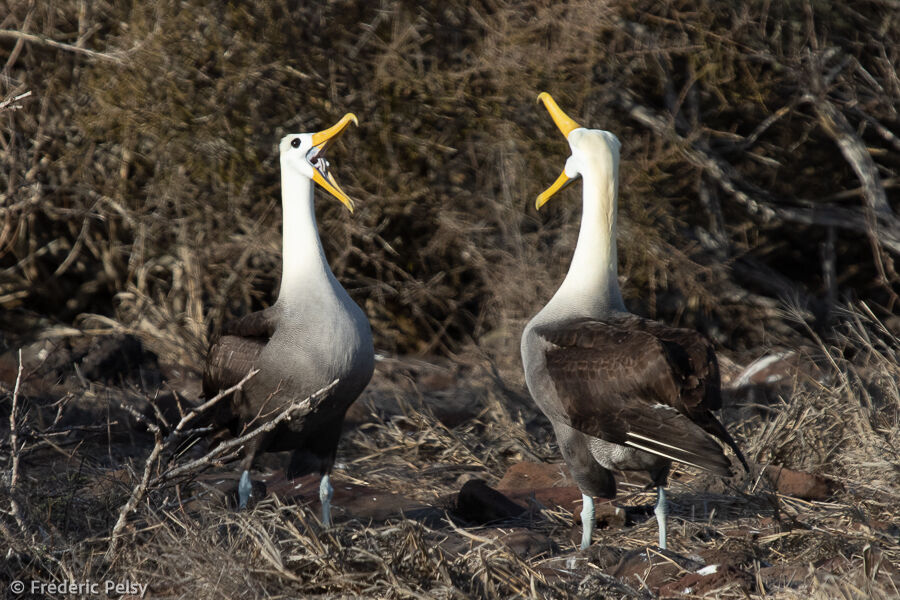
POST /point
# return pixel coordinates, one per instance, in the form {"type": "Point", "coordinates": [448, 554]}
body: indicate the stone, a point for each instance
{"type": "Point", "coordinates": [707, 579]}
{"type": "Point", "coordinates": [479, 503]}
{"type": "Point", "coordinates": [531, 475]}
{"type": "Point", "coordinates": [527, 544]}
{"type": "Point", "coordinates": [800, 484]}
{"type": "Point", "coordinates": [606, 514]}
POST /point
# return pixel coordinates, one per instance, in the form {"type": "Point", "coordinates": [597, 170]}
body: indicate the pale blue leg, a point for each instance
{"type": "Point", "coordinates": [587, 520]}
{"type": "Point", "coordinates": [326, 493]}
{"type": "Point", "coordinates": [244, 490]}
{"type": "Point", "coordinates": [662, 512]}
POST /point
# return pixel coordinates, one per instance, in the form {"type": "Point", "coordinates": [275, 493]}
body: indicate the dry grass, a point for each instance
{"type": "Point", "coordinates": [184, 540]}
{"type": "Point", "coordinates": [139, 194]}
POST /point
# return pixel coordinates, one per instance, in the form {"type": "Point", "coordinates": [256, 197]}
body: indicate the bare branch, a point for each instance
{"type": "Point", "coordinates": [12, 103]}
{"type": "Point", "coordinates": [15, 510]}
{"type": "Point", "coordinates": [160, 445]}
{"type": "Point", "coordinates": [13, 431]}
{"type": "Point", "coordinates": [44, 41]}
{"type": "Point", "coordinates": [854, 150]}
{"type": "Point", "coordinates": [212, 401]}
{"type": "Point", "coordinates": [760, 204]}
{"type": "Point", "coordinates": [296, 409]}
{"type": "Point", "coordinates": [137, 495]}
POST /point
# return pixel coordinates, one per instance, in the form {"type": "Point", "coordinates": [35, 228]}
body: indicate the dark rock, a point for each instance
{"type": "Point", "coordinates": [479, 503]}
{"type": "Point", "coordinates": [568, 498]}
{"type": "Point", "coordinates": [737, 552]}
{"type": "Point", "coordinates": [532, 475]}
{"type": "Point", "coordinates": [605, 557]}
{"type": "Point", "coordinates": [667, 573]}
{"type": "Point", "coordinates": [784, 576]}
{"type": "Point", "coordinates": [606, 514]}
{"type": "Point", "coordinates": [528, 544]}
{"type": "Point", "coordinates": [799, 484]}
{"type": "Point", "coordinates": [546, 485]}
{"type": "Point", "coordinates": [453, 407]}
{"type": "Point", "coordinates": [707, 579]}
{"type": "Point", "coordinates": [653, 568]}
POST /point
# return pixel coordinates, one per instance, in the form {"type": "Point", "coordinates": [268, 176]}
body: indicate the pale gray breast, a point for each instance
{"type": "Point", "coordinates": [321, 337]}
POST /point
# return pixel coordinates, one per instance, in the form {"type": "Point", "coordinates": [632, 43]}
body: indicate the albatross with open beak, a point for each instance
{"type": "Point", "coordinates": [312, 335]}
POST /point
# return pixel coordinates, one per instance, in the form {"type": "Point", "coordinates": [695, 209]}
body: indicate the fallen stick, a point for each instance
{"type": "Point", "coordinates": [45, 41]}
{"type": "Point", "coordinates": [161, 444]}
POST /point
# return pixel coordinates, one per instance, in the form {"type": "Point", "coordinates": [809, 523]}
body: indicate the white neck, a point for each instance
{"type": "Point", "coordinates": [591, 287]}
{"type": "Point", "coordinates": [303, 260]}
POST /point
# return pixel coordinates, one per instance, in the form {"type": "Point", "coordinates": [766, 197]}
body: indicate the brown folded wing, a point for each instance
{"type": "Point", "coordinates": [234, 353]}
{"type": "Point", "coordinates": [639, 383]}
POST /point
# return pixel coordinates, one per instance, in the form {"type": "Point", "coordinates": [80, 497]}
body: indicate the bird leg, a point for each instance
{"type": "Point", "coordinates": [662, 512]}
{"type": "Point", "coordinates": [326, 493]}
{"type": "Point", "coordinates": [245, 489]}
{"type": "Point", "coordinates": [587, 520]}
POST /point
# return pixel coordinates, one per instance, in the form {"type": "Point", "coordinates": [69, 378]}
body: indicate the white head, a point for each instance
{"type": "Point", "coordinates": [590, 288]}
{"type": "Point", "coordinates": [304, 154]}
{"type": "Point", "coordinates": [594, 151]}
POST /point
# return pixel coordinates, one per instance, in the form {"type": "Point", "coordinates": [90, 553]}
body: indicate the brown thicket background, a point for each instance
{"type": "Point", "coordinates": [139, 188]}
{"type": "Point", "coordinates": [140, 177]}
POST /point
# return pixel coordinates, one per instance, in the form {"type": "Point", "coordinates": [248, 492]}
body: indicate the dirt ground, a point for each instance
{"type": "Point", "coordinates": [448, 485]}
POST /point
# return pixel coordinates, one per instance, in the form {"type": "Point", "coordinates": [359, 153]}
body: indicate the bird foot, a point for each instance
{"type": "Point", "coordinates": [245, 490]}
{"type": "Point", "coordinates": [662, 513]}
{"type": "Point", "coordinates": [326, 493]}
{"type": "Point", "coordinates": [587, 520]}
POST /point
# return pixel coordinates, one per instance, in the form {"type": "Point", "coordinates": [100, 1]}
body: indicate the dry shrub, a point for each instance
{"type": "Point", "coordinates": [141, 176]}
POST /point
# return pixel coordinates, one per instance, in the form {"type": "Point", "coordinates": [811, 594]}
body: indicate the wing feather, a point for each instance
{"type": "Point", "coordinates": [235, 352]}
{"type": "Point", "coordinates": [639, 383]}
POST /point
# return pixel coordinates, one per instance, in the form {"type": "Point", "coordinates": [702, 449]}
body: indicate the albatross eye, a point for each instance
{"type": "Point", "coordinates": [295, 143]}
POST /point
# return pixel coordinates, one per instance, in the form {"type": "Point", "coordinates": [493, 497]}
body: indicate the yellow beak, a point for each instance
{"type": "Point", "coordinates": [562, 120]}
{"type": "Point", "coordinates": [320, 140]}
{"type": "Point", "coordinates": [561, 183]}
{"type": "Point", "coordinates": [566, 125]}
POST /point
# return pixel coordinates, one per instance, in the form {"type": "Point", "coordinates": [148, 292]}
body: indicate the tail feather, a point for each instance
{"type": "Point", "coordinates": [697, 450]}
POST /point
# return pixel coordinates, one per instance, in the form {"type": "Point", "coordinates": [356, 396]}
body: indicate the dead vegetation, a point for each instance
{"type": "Point", "coordinates": [139, 194]}
{"type": "Point", "coordinates": [64, 487]}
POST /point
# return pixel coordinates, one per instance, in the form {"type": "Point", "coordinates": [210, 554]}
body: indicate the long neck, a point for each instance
{"type": "Point", "coordinates": [304, 264]}
{"type": "Point", "coordinates": [591, 287]}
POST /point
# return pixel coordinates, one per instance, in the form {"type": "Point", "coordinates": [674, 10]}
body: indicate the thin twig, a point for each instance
{"type": "Point", "coordinates": [13, 102]}
{"type": "Point", "coordinates": [159, 445]}
{"type": "Point", "coordinates": [14, 508]}
{"type": "Point", "coordinates": [44, 41]}
{"type": "Point", "coordinates": [136, 495]}
{"type": "Point", "coordinates": [140, 491]}
{"type": "Point", "coordinates": [304, 405]}
{"type": "Point", "coordinates": [212, 401]}
{"type": "Point", "coordinates": [13, 430]}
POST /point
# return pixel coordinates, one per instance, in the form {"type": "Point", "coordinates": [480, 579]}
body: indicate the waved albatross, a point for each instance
{"type": "Point", "coordinates": [312, 335]}
{"type": "Point", "coordinates": [621, 391]}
